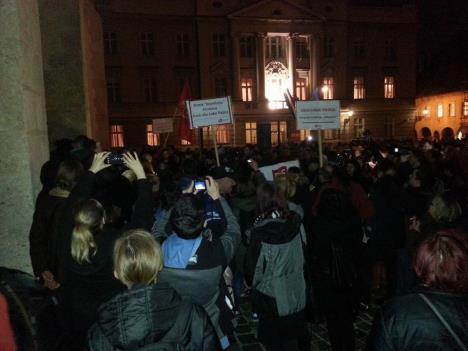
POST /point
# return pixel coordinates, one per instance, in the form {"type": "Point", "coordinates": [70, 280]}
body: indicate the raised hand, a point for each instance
{"type": "Point", "coordinates": [133, 163]}
{"type": "Point", "coordinates": [212, 188]}
{"type": "Point", "coordinates": [99, 162]}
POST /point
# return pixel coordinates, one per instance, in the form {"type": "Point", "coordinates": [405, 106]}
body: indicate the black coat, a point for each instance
{"type": "Point", "coordinates": [86, 286]}
{"type": "Point", "coordinates": [145, 316]}
{"type": "Point", "coordinates": [408, 324]}
{"type": "Point", "coordinates": [42, 233]}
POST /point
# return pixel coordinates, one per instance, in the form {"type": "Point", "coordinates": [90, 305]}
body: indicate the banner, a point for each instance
{"type": "Point", "coordinates": [163, 125]}
{"type": "Point", "coordinates": [271, 172]}
{"type": "Point", "coordinates": [185, 133]}
{"type": "Point", "coordinates": [318, 115]}
{"type": "Point", "coordinates": [210, 112]}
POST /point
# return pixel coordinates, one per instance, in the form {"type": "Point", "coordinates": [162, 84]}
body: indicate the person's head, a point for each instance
{"type": "Point", "coordinates": [285, 185]}
{"type": "Point", "coordinates": [444, 209]}
{"type": "Point", "coordinates": [270, 199]}
{"type": "Point", "coordinates": [441, 262]}
{"type": "Point", "coordinates": [333, 203]}
{"type": "Point", "coordinates": [188, 216]}
{"type": "Point", "coordinates": [68, 173]}
{"type": "Point", "coordinates": [89, 217]}
{"type": "Point", "coordinates": [137, 258]}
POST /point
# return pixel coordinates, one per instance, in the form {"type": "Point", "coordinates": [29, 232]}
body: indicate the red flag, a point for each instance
{"type": "Point", "coordinates": [185, 132]}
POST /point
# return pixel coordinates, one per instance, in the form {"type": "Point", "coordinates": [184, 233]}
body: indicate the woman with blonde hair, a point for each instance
{"type": "Point", "coordinates": [86, 247]}
{"type": "Point", "coordinates": [168, 321]}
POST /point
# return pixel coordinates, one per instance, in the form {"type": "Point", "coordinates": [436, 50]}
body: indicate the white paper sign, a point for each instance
{"type": "Point", "coordinates": [163, 125]}
{"type": "Point", "coordinates": [270, 172]}
{"type": "Point", "coordinates": [315, 115]}
{"type": "Point", "coordinates": [210, 112]}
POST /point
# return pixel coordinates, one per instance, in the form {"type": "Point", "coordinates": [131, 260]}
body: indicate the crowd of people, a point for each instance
{"type": "Point", "coordinates": [155, 250]}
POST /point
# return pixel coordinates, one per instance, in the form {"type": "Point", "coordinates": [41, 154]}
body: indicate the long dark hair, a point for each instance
{"type": "Point", "coordinates": [269, 199]}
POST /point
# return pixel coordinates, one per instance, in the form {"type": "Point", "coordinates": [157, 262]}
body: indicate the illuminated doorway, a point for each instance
{"type": "Point", "coordinates": [276, 82]}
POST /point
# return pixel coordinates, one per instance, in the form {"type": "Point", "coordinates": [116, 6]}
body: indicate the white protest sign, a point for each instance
{"type": "Point", "coordinates": [318, 115]}
{"type": "Point", "coordinates": [210, 112]}
{"type": "Point", "coordinates": [163, 125]}
{"type": "Point", "coordinates": [270, 172]}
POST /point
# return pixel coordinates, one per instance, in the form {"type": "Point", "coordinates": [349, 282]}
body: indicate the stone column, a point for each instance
{"type": "Point", "coordinates": [23, 127]}
{"type": "Point", "coordinates": [236, 75]}
{"type": "Point", "coordinates": [74, 75]}
{"type": "Point", "coordinates": [314, 44]}
{"type": "Point", "coordinates": [260, 61]}
{"type": "Point", "coordinates": [292, 62]}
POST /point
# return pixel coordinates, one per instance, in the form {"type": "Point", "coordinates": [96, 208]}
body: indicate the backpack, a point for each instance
{"type": "Point", "coordinates": [33, 312]}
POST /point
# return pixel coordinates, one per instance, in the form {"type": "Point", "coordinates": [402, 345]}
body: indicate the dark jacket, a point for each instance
{"type": "Point", "coordinates": [274, 265]}
{"type": "Point", "coordinates": [86, 286]}
{"type": "Point", "coordinates": [148, 316]}
{"type": "Point", "coordinates": [41, 235]}
{"type": "Point", "coordinates": [408, 324]}
{"type": "Point", "coordinates": [201, 280]}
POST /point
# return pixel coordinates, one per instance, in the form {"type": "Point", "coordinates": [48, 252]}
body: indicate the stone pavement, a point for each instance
{"type": "Point", "coordinates": [245, 332]}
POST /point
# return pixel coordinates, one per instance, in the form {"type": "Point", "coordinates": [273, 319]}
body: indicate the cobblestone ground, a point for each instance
{"type": "Point", "coordinates": [246, 332]}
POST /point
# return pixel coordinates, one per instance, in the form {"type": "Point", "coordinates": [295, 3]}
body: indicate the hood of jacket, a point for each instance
{"type": "Point", "coordinates": [139, 316]}
{"type": "Point", "coordinates": [279, 230]}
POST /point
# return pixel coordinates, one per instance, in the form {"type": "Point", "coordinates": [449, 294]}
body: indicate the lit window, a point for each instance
{"type": "Point", "coordinates": [247, 47]}
{"type": "Point", "coordinates": [301, 49]}
{"type": "Point", "coordinates": [251, 133]}
{"type": "Point", "coordinates": [219, 45]}
{"type": "Point", "coordinates": [150, 88]}
{"type": "Point", "coordinates": [440, 110]}
{"type": "Point", "coordinates": [247, 89]}
{"type": "Point", "coordinates": [182, 44]}
{"type": "Point", "coordinates": [147, 43]}
{"type": "Point", "coordinates": [110, 43]}
{"type": "Point", "coordinates": [279, 132]}
{"type": "Point", "coordinates": [275, 47]}
{"type": "Point", "coordinates": [304, 134]}
{"type": "Point", "coordinates": [220, 87]}
{"type": "Point", "coordinates": [359, 48]}
{"type": "Point", "coordinates": [113, 85]}
{"type": "Point", "coordinates": [452, 109]}
{"type": "Point", "coordinates": [390, 49]}
{"type": "Point", "coordinates": [389, 87]}
{"type": "Point", "coordinates": [329, 47]}
{"type": "Point", "coordinates": [358, 126]}
{"type": "Point", "coordinates": [465, 108]}
{"type": "Point", "coordinates": [222, 134]}
{"type": "Point", "coordinates": [359, 91]}
{"type": "Point", "coordinates": [152, 138]}
{"type": "Point", "coordinates": [117, 135]}
{"type": "Point", "coordinates": [301, 88]}
{"type": "Point", "coordinates": [185, 142]}
{"type": "Point", "coordinates": [328, 88]}
{"type": "Point", "coordinates": [426, 112]}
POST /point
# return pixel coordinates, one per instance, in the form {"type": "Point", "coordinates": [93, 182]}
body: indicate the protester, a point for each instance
{"type": "Point", "coordinates": [434, 317]}
{"type": "Point", "coordinates": [274, 268]}
{"type": "Point", "coordinates": [42, 236]}
{"type": "Point", "coordinates": [169, 321]}
{"type": "Point", "coordinates": [86, 247]}
{"type": "Point", "coordinates": [195, 257]}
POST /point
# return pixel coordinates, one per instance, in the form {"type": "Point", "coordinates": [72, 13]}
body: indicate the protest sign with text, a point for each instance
{"type": "Point", "coordinates": [318, 115]}
{"type": "Point", "coordinates": [209, 112]}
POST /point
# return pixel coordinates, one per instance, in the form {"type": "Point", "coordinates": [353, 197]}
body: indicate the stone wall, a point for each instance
{"type": "Point", "coordinates": [23, 127]}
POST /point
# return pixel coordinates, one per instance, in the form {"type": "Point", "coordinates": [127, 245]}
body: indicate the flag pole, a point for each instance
{"type": "Point", "coordinates": [320, 147]}
{"type": "Point", "coordinates": [213, 128]}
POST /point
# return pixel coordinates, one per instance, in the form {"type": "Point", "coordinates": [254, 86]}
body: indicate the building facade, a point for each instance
{"type": "Point", "coordinates": [442, 116]}
{"type": "Point", "coordinates": [362, 55]}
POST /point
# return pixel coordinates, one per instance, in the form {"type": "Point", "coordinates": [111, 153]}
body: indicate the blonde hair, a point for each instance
{"type": "Point", "coordinates": [89, 218]}
{"type": "Point", "coordinates": [137, 258]}
{"type": "Point", "coordinates": [285, 185]}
